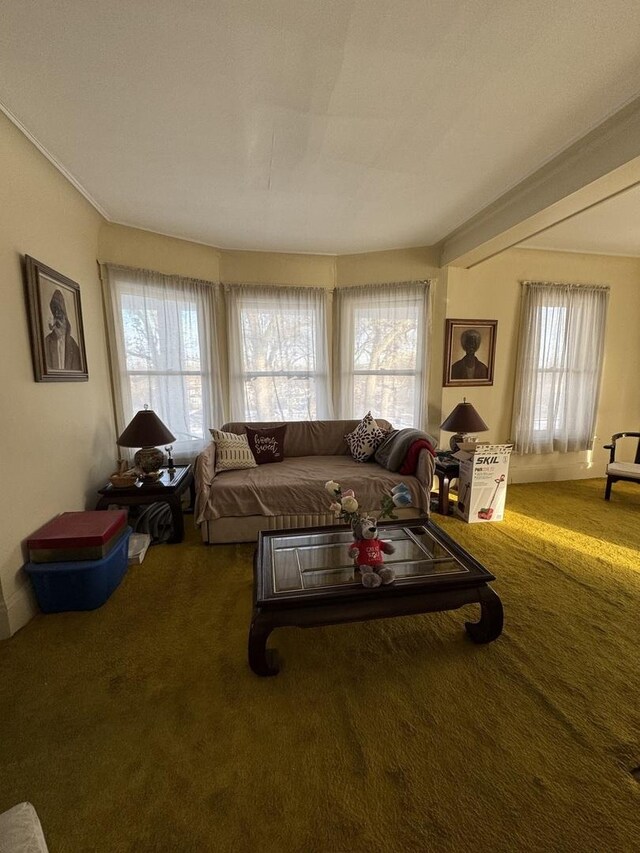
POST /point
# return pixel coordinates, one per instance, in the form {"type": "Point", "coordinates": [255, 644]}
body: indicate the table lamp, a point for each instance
{"type": "Point", "coordinates": [145, 431]}
{"type": "Point", "coordinates": [463, 420]}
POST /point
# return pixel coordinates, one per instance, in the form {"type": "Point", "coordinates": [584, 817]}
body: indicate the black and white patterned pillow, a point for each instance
{"type": "Point", "coordinates": [365, 439]}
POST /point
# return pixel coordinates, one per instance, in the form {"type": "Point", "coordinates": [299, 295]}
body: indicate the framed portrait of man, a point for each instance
{"type": "Point", "coordinates": [55, 325]}
{"type": "Point", "coordinates": [469, 352]}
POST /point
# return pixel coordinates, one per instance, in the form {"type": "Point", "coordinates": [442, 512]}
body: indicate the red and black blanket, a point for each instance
{"type": "Point", "coordinates": [401, 448]}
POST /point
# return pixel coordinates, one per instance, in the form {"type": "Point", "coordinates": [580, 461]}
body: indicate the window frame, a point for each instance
{"type": "Point", "coordinates": [272, 299]}
{"type": "Point", "coordinates": [575, 385]}
{"type": "Point", "coordinates": [350, 301]}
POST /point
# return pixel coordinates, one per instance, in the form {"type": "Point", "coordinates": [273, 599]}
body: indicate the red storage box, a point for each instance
{"type": "Point", "coordinates": [79, 584]}
{"type": "Point", "coordinates": [88, 535]}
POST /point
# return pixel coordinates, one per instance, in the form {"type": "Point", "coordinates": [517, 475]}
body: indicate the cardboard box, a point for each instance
{"type": "Point", "coordinates": [482, 485]}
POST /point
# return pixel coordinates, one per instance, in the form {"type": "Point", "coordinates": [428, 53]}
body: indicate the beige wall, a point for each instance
{"type": "Point", "coordinates": [278, 268]}
{"type": "Point", "coordinates": [382, 267]}
{"type": "Point", "coordinates": [58, 438]}
{"type": "Point", "coordinates": [133, 247]}
{"type": "Point", "coordinates": [492, 291]}
{"type": "Point", "coordinates": [119, 244]}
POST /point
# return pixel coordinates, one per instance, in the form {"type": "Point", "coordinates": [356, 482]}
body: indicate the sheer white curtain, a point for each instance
{"type": "Point", "coordinates": [164, 352]}
{"type": "Point", "coordinates": [560, 357]}
{"type": "Point", "coordinates": [382, 349]}
{"type": "Point", "coordinates": [278, 363]}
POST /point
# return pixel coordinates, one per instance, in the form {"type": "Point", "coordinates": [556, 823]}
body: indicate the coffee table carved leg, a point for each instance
{"type": "Point", "coordinates": [491, 618]}
{"type": "Point", "coordinates": [263, 661]}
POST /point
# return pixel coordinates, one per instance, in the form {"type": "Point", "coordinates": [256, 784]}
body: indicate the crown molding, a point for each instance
{"type": "Point", "coordinates": [54, 161]}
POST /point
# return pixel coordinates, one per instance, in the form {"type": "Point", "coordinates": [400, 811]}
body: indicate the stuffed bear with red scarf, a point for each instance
{"type": "Point", "coordinates": [367, 553]}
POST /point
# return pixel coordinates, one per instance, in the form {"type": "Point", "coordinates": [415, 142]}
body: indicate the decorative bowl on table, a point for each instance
{"type": "Point", "coordinates": [123, 481]}
{"type": "Point", "coordinates": [149, 477]}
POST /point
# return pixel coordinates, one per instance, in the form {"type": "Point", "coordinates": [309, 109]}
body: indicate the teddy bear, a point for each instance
{"type": "Point", "coordinates": [367, 551]}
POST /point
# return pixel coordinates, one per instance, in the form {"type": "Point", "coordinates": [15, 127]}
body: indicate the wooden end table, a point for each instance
{"type": "Point", "coordinates": [305, 578]}
{"type": "Point", "coordinates": [446, 470]}
{"type": "Point", "coordinates": [168, 489]}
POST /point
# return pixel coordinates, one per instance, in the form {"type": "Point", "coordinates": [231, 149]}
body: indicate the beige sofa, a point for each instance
{"type": "Point", "coordinates": [233, 506]}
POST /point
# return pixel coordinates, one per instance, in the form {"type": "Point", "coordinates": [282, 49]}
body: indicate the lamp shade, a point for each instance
{"type": "Point", "coordinates": [464, 418]}
{"type": "Point", "coordinates": [145, 430]}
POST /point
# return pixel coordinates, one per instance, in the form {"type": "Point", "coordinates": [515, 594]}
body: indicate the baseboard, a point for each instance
{"type": "Point", "coordinates": [17, 610]}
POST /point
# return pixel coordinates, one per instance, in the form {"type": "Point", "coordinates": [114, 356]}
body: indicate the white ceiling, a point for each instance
{"type": "Point", "coordinates": [609, 228]}
{"type": "Point", "coordinates": [311, 125]}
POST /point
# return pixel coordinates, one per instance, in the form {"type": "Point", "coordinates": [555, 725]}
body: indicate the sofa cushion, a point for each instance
{"type": "Point", "coordinates": [232, 451]}
{"type": "Point", "coordinates": [267, 444]}
{"type": "Point", "coordinates": [297, 485]}
{"type": "Point", "coordinates": [309, 438]}
{"type": "Point", "coordinates": [365, 439]}
{"type": "Point", "coordinates": [624, 469]}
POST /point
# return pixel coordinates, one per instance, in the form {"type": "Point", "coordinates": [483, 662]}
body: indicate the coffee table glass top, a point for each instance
{"type": "Point", "coordinates": [317, 561]}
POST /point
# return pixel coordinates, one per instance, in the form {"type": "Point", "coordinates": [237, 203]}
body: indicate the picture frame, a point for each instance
{"type": "Point", "coordinates": [472, 365]}
{"type": "Point", "coordinates": [56, 332]}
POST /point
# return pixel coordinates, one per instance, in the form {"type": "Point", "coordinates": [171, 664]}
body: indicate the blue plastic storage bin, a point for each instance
{"type": "Point", "coordinates": [81, 584]}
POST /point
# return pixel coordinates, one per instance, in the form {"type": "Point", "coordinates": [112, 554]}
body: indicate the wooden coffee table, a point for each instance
{"type": "Point", "coordinates": [305, 578]}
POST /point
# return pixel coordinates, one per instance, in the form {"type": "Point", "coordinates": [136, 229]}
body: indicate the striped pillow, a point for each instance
{"type": "Point", "coordinates": [232, 451]}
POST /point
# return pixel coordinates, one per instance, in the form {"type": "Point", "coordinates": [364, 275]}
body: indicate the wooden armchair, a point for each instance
{"type": "Point", "coordinates": [621, 470]}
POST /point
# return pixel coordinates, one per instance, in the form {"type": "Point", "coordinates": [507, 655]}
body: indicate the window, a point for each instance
{"type": "Point", "coordinates": [559, 367]}
{"type": "Point", "coordinates": [278, 353]}
{"type": "Point", "coordinates": [382, 348]}
{"type": "Point", "coordinates": [163, 350]}
{"type": "Point", "coordinates": [165, 354]}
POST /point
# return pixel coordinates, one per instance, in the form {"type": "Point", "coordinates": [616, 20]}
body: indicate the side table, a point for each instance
{"type": "Point", "coordinates": [446, 470]}
{"type": "Point", "coordinates": [168, 489]}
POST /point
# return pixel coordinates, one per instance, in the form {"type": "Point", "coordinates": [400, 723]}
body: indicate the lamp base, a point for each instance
{"type": "Point", "coordinates": [149, 459]}
{"type": "Point", "coordinates": [460, 437]}
{"type": "Point", "coordinates": [455, 440]}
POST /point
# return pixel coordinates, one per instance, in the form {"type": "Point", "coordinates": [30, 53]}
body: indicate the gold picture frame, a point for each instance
{"type": "Point", "coordinates": [469, 352]}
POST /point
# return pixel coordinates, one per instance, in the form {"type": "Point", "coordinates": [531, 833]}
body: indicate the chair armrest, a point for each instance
{"type": "Point", "coordinates": [204, 471]}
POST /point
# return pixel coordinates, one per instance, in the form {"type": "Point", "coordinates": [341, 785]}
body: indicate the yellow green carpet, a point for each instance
{"type": "Point", "coordinates": [139, 727]}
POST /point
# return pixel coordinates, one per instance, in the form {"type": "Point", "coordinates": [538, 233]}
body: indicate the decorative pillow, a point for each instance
{"type": "Point", "coordinates": [364, 440]}
{"type": "Point", "coordinates": [267, 444]}
{"type": "Point", "coordinates": [232, 451]}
